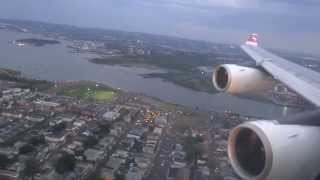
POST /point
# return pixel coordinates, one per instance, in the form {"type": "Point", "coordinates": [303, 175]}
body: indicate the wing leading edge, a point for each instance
{"type": "Point", "coordinates": [304, 81]}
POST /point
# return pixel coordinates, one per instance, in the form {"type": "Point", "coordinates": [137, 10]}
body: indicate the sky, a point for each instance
{"type": "Point", "coordinates": [285, 24]}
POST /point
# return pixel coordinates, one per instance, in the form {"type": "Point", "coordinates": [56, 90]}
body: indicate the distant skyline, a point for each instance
{"type": "Point", "coordinates": [284, 24]}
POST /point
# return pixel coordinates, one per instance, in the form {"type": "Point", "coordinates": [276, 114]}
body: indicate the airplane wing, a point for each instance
{"type": "Point", "coordinates": [302, 80]}
{"type": "Point", "coordinates": [273, 149]}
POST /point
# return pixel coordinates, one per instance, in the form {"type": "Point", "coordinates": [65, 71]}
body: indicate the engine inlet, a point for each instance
{"type": "Point", "coordinates": [221, 78]}
{"type": "Point", "coordinates": [250, 152]}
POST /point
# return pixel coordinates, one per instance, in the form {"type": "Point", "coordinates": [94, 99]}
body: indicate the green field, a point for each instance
{"type": "Point", "coordinates": [90, 94]}
{"type": "Point", "coordinates": [85, 90]}
{"type": "Point", "coordinates": [104, 95]}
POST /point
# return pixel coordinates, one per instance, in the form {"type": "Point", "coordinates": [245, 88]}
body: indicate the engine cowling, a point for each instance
{"type": "Point", "coordinates": [266, 150]}
{"type": "Point", "coordinates": [236, 79]}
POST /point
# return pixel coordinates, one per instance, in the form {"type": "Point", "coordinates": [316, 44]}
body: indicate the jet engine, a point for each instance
{"type": "Point", "coordinates": [267, 150]}
{"type": "Point", "coordinates": [239, 79]}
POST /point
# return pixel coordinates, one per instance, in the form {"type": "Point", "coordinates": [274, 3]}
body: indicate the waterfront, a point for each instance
{"type": "Point", "coordinates": [55, 62]}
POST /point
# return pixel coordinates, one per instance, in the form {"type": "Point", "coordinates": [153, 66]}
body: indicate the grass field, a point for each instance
{"type": "Point", "coordinates": [104, 95]}
{"type": "Point", "coordinates": [90, 94]}
{"type": "Point", "coordinates": [85, 90]}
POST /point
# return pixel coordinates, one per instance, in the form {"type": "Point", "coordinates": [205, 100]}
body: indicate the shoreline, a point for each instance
{"type": "Point", "coordinates": [49, 85]}
{"type": "Point", "coordinates": [30, 82]}
{"type": "Point", "coordinates": [176, 94]}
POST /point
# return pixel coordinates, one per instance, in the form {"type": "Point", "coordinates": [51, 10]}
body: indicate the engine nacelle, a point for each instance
{"type": "Point", "coordinates": [239, 79]}
{"type": "Point", "coordinates": [266, 150]}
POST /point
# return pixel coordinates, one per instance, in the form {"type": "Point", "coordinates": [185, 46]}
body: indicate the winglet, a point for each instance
{"type": "Point", "coordinates": [252, 39]}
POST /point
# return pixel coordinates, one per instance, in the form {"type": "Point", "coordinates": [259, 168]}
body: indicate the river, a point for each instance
{"type": "Point", "coordinates": [55, 62]}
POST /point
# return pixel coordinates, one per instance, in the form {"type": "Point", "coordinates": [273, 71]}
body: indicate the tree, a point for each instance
{"type": "Point", "coordinates": [137, 146]}
{"type": "Point", "coordinates": [119, 176]}
{"type": "Point", "coordinates": [59, 127]}
{"type": "Point", "coordinates": [4, 161]}
{"type": "Point", "coordinates": [37, 140]}
{"type": "Point", "coordinates": [26, 149]}
{"type": "Point", "coordinates": [193, 148]}
{"type": "Point", "coordinates": [193, 153]}
{"type": "Point", "coordinates": [65, 163]}
{"type": "Point", "coordinates": [90, 141]}
{"type": "Point", "coordinates": [31, 168]}
{"type": "Point", "coordinates": [95, 176]}
{"type": "Point", "coordinates": [104, 128]}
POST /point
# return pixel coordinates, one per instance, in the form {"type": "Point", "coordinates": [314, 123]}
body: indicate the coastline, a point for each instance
{"type": "Point", "coordinates": [50, 87]}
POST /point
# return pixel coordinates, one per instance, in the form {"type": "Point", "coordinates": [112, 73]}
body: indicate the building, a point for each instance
{"type": "Point", "coordinates": [35, 118]}
{"type": "Point", "coordinates": [56, 138]}
{"type": "Point", "coordinates": [149, 148]}
{"type": "Point", "coordinates": [161, 121]}
{"type": "Point", "coordinates": [8, 175]}
{"type": "Point", "coordinates": [157, 131]}
{"type": "Point", "coordinates": [106, 174]}
{"type": "Point", "coordinates": [107, 142]}
{"type": "Point", "coordinates": [47, 103]}
{"type": "Point", "coordinates": [79, 123]}
{"type": "Point", "coordinates": [184, 174]}
{"type": "Point", "coordinates": [111, 116]}
{"type": "Point", "coordinates": [143, 162]}
{"type": "Point", "coordinates": [121, 154]}
{"type": "Point", "coordinates": [172, 173]}
{"type": "Point", "coordinates": [113, 165]}
{"type": "Point", "coordinates": [135, 133]}
{"type": "Point", "coordinates": [93, 155]}
{"type": "Point", "coordinates": [10, 152]}
{"type": "Point", "coordinates": [133, 174]}
{"type": "Point", "coordinates": [83, 169]}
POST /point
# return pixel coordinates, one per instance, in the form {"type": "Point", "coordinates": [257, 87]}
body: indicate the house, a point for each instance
{"type": "Point", "coordinates": [79, 123]}
{"type": "Point", "coordinates": [157, 131]}
{"type": "Point", "coordinates": [8, 175]}
{"type": "Point", "coordinates": [121, 154]}
{"type": "Point", "coordinates": [136, 133]}
{"type": "Point", "coordinates": [35, 118]}
{"type": "Point", "coordinates": [107, 174]}
{"type": "Point", "coordinates": [56, 138]}
{"type": "Point", "coordinates": [111, 116]}
{"type": "Point", "coordinates": [149, 148]}
{"type": "Point", "coordinates": [184, 174]}
{"type": "Point", "coordinates": [113, 164]}
{"type": "Point", "coordinates": [161, 121]}
{"type": "Point", "coordinates": [134, 174]}
{"type": "Point", "coordinates": [107, 142]}
{"type": "Point", "coordinates": [93, 155]}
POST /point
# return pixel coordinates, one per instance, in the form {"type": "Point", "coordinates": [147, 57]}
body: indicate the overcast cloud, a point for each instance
{"type": "Point", "coordinates": [286, 24]}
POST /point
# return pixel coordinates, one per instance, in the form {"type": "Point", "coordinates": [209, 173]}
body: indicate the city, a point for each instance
{"type": "Point", "coordinates": [159, 90]}
{"type": "Point", "coordinates": [48, 136]}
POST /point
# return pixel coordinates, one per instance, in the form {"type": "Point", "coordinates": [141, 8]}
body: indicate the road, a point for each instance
{"type": "Point", "coordinates": [162, 160]}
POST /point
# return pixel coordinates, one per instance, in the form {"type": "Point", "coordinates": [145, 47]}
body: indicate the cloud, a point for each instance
{"type": "Point", "coordinates": [202, 4]}
{"type": "Point", "coordinates": [268, 6]}
{"type": "Point", "coordinates": [293, 2]}
{"type": "Point", "coordinates": [208, 3]}
{"type": "Point", "coordinates": [214, 20]}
